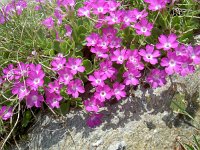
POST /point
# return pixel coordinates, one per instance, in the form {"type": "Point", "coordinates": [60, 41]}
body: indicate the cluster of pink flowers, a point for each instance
{"type": "Point", "coordinates": [108, 13]}
{"type": "Point", "coordinates": [13, 8]}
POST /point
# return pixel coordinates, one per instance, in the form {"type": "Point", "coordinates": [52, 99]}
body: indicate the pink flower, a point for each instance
{"type": "Point", "coordinates": [186, 66]}
{"type": "Point", "coordinates": [68, 30]}
{"type": "Point", "coordinates": [94, 120]}
{"type": "Point", "coordinates": [75, 64]}
{"type": "Point", "coordinates": [134, 60]}
{"type": "Point", "coordinates": [75, 87]}
{"type": "Point", "coordinates": [167, 42]}
{"type": "Point", "coordinates": [103, 42]}
{"type": "Point", "coordinates": [34, 81]}
{"type": "Point", "coordinates": [6, 112]}
{"type": "Point", "coordinates": [9, 72]}
{"type": "Point", "coordinates": [48, 23]}
{"type": "Point", "coordinates": [139, 15]}
{"type": "Point", "coordinates": [53, 99]}
{"type": "Point", "coordinates": [20, 90]}
{"type": "Point", "coordinates": [65, 76]}
{"type": "Point", "coordinates": [19, 6]}
{"type": "Point", "coordinates": [156, 4]}
{"type": "Point", "coordinates": [84, 11]}
{"type": "Point", "coordinates": [194, 53]}
{"type": "Point", "coordinates": [100, 7]}
{"type": "Point", "coordinates": [156, 78]}
{"type": "Point", "coordinates": [103, 92]}
{"type": "Point", "coordinates": [143, 27]}
{"type": "Point", "coordinates": [97, 79]}
{"type": "Point", "coordinates": [92, 39]}
{"type": "Point", "coordinates": [100, 53]}
{"type": "Point", "coordinates": [119, 56]}
{"type": "Point", "coordinates": [34, 99]}
{"type": "Point", "coordinates": [172, 63]}
{"type": "Point", "coordinates": [131, 77]}
{"type": "Point", "coordinates": [106, 69]}
{"type": "Point", "coordinates": [59, 15]}
{"type": "Point", "coordinates": [150, 55]}
{"type": "Point", "coordinates": [54, 87]}
{"type": "Point", "coordinates": [22, 70]}
{"type": "Point", "coordinates": [113, 5]}
{"type": "Point", "coordinates": [114, 18]}
{"type": "Point", "coordinates": [127, 18]}
{"type": "Point", "coordinates": [118, 90]}
{"type": "Point", "coordinates": [92, 105]}
{"type": "Point", "coordinates": [58, 62]}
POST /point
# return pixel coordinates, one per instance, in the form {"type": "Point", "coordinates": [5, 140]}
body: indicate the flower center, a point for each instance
{"type": "Point", "coordinates": [167, 45]}
{"type": "Point", "coordinates": [36, 81]}
{"type": "Point", "coordinates": [103, 93]}
{"type": "Point", "coordinates": [172, 63]}
{"type": "Point", "coordinates": [100, 9]}
{"type": "Point", "coordinates": [34, 98]}
{"type": "Point", "coordinates": [144, 29]}
{"type": "Point", "coordinates": [120, 58]}
{"type": "Point", "coordinates": [158, 7]}
{"type": "Point", "coordinates": [74, 67]}
{"type": "Point", "coordinates": [149, 56]}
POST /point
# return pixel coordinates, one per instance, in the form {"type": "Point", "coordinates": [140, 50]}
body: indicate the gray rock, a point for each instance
{"type": "Point", "coordinates": [142, 122]}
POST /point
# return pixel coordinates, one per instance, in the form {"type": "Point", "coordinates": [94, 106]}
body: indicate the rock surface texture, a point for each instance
{"type": "Point", "coordinates": [142, 122]}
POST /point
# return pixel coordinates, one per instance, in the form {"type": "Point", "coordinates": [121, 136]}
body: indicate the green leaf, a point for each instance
{"type": "Point", "coordinates": [64, 107]}
{"type": "Point", "coordinates": [27, 118]}
{"type": "Point", "coordinates": [56, 46]}
{"type": "Point", "coordinates": [179, 104]}
{"type": "Point", "coordinates": [88, 66]}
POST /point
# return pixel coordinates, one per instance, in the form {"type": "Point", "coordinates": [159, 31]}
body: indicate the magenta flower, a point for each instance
{"type": "Point", "coordinates": [119, 56]}
{"type": "Point", "coordinates": [54, 87]}
{"type": "Point", "coordinates": [58, 62]}
{"type": "Point", "coordinates": [75, 64]}
{"type": "Point", "coordinates": [65, 76]}
{"type": "Point", "coordinates": [131, 77]}
{"type": "Point", "coordinates": [114, 18]}
{"type": "Point", "coordinates": [109, 32]}
{"type": "Point", "coordinates": [59, 15]}
{"type": "Point", "coordinates": [6, 112]}
{"type": "Point", "coordinates": [186, 66]}
{"type": "Point", "coordinates": [172, 63]}
{"type": "Point", "coordinates": [68, 30]}
{"type": "Point", "coordinates": [167, 42]}
{"type": "Point", "coordinates": [155, 5]}
{"type": "Point", "coordinates": [115, 42]}
{"type": "Point", "coordinates": [94, 120]}
{"type": "Point", "coordinates": [100, 53]}
{"type": "Point", "coordinates": [127, 18]}
{"type": "Point", "coordinates": [20, 90]}
{"type": "Point", "coordinates": [106, 69]}
{"type": "Point", "coordinates": [36, 68]}
{"type": "Point", "coordinates": [103, 92]}
{"type": "Point", "coordinates": [9, 73]}
{"type": "Point", "coordinates": [100, 7]}
{"type": "Point", "coordinates": [103, 42]}
{"type": "Point", "coordinates": [84, 11]}
{"type": "Point", "coordinates": [194, 53]}
{"type": "Point", "coordinates": [22, 70]}
{"type": "Point", "coordinates": [97, 79]}
{"type": "Point", "coordinates": [150, 55]}
{"type": "Point", "coordinates": [34, 81]}
{"type": "Point", "coordinates": [92, 105]}
{"type": "Point", "coordinates": [118, 90]}
{"type": "Point", "coordinates": [134, 60]}
{"type": "Point", "coordinates": [34, 99]}
{"type": "Point", "coordinates": [113, 5]}
{"type": "Point", "coordinates": [53, 99]}
{"type": "Point", "coordinates": [156, 78]}
{"type": "Point", "coordinates": [143, 27]}
{"type": "Point", "coordinates": [48, 23]}
{"type": "Point", "coordinates": [181, 50]}
{"type": "Point", "coordinates": [75, 87]}
{"type": "Point", "coordinates": [92, 39]}
{"type": "Point", "coordinates": [20, 5]}
{"type": "Point", "coordinates": [139, 15]}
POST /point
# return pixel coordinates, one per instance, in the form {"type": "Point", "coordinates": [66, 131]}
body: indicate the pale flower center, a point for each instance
{"type": "Point", "coordinates": [158, 7]}
{"type": "Point", "coordinates": [144, 29]}
{"type": "Point", "coordinates": [103, 93]}
{"type": "Point", "coordinates": [36, 81]}
{"type": "Point", "coordinates": [74, 67]}
{"type": "Point", "coordinates": [100, 9]}
{"type": "Point", "coordinates": [120, 58]}
{"type": "Point", "coordinates": [172, 63]}
{"type": "Point", "coordinates": [34, 98]}
{"type": "Point", "coordinates": [149, 56]}
{"type": "Point", "coordinates": [167, 45]}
